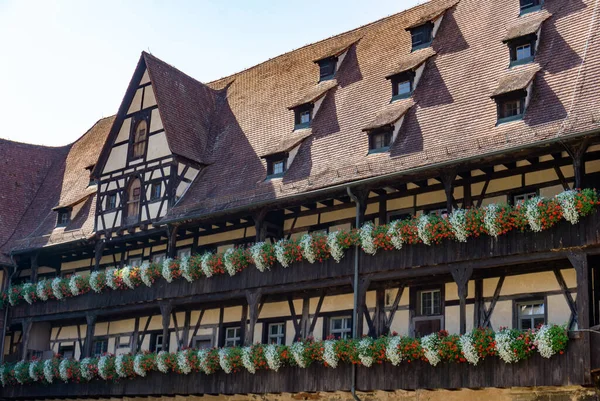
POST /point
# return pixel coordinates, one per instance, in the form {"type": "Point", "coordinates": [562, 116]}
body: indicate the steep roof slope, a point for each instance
{"type": "Point", "coordinates": [66, 184]}
{"type": "Point", "coordinates": [453, 117]}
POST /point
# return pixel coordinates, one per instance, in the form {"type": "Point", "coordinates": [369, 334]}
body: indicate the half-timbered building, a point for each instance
{"type": "Point", "coordinates": [434, 113]}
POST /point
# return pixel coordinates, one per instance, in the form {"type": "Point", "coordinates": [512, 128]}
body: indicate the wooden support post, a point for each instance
{"type": "Point", "coordinates": [244, 324]}
{"type": "Point", "coordinates": [448, 177]}
{"type": "Point", "coordinates": [186, 329]}
{"type": "Point", "coordinates": [461, 277]}
{"type": "Point", "coordinates": [467, 197]}
{"type": "Point", "coordinates": [34, 267]}
{"type": "Point", "coordinates": [90, 320]}
{"type": "Point", "coordinates": [478, 313]}
{"type": "Point", "coordinates": [25, 338]}
{"type": "Point", "coordinates": [304, 320]}
{"type": "Point", "coordinates": [579, 261]}
{"type": "Point", "coordinates": [98, 253]}
{"type": "Point", "coordinates": [172, 241]}
{"type": "Point", "coordinates": [253, 299]}
{"type": "Point", "coordinates": [382, 209]}
{"type": "Point", "coordinates": [259, 225]}
{"type": "Point", "coordinates": [577, 153]}
{"type": "Point", "coordinates": [379, 319]}
{"type": "Point", "coordinates": [135, 336]}
{"type": "Point", "coordinates": [390, 318]}
{"type": "Point", "coordinates": [165, 310]}
{"type": "Point", "coordinates": [363, 286]}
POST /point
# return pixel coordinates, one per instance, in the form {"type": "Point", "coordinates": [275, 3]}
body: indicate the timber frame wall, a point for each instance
{"type": "Point", "coordinates": [180, 306]}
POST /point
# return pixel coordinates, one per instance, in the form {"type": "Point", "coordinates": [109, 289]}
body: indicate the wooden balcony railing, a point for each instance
{"type": "Point", "coordinates": [568, 369]}
{"type": "Point", "coordinates": [412, 261]}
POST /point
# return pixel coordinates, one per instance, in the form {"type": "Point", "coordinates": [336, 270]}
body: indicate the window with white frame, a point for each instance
{"type": "Point", "coordinates": [276, 333]}
{"type": "Point", "coordinates": [158, 258]}
{"type": "Point", "coordinates": [521, 198]}
{"type": "Point", "coordinates": [184, 252]}
{"type": "Point", "coordinates": [340, 327]}
{"type": "Point", "coordinates": [531, 314]}
{"type": "Point", "coordinates": [137, 261]}
{"type": "Point", "coordinates": [233, 336]}
{"type": "Point", "coordinates": [430, 302]}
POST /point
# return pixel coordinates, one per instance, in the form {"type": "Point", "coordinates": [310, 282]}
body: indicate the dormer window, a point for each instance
{"type": "Point", "coordinates": [402, 85]}
{"type": "Point", "coordinates": [380, 140]}
{"type": "Point", "coordinates": [511, 106]}
{"type": "Point", "coordinates": [327, 68]}
{"type": "Point", "coordinates": [303, 116]}
{"type": "Point", "coordinates": [276, 166]}
{"type": "Point", "coordinates": [421, 35]}
{"type": "Point", "coordinates": [64, 218]}
{"type": "Point", "coordinates": [522, 50]}
{"type": "Point", "coordinates": [528, 6]}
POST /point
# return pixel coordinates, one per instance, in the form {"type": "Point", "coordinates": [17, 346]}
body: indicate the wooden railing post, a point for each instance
{"type": "Point", "coordinates": [253, 299]}
{"type": "Point", "coordinates": [89, 334]}
{"type": "Point", "coordinates": [462, 276]}
{"type": "Point", "coordinates": [165, 311]}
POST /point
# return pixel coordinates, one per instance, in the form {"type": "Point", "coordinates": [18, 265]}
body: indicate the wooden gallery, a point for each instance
{"type": "Point", "coordinates": [404, 211]}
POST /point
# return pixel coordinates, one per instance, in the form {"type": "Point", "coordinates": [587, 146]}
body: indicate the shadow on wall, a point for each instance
{"type": "Point", "coordinates": [453, 40]}
{"type": "Point", "coordinates": [557, 45]}
{"type": "Point", "coordinates": [349, 72]}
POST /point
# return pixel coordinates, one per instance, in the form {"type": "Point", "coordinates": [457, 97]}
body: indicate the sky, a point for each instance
{"type": "Point", "coordinates": [64, 64]}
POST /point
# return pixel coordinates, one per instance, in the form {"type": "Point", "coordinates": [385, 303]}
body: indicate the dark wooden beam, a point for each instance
{"type": "Point", "coordinates": [579, 260]}
{"type": "Point", "coordinates": [165, 311]}
{"type": "Point", "coordinates": [447, 178]}
{"type": "Point", "coordinates": [27, 323]}
{"type": "Point", "coordinates": [253, 299]}
{"type": "Point", "coordinates": [461, 277]}
{"type": "Point", "coordinates": [90, 320]}
{"type": "Point", "coordinates": [98, 249]}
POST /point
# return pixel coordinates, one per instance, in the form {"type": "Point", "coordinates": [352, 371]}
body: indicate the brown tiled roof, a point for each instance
{"type": "Point", "coordinates": [289, 142]}
{"type": "Point", "coordinates": [336, 49]}
{"type": "Point", "coordinates": [431, 11]}
{"type": "Point", "coordinates": [314, 93]}
{"type": "Point", "coordinates": [411, 61]}
{"type": "Point", "coordinates": [186, 108]}
{"type": "Point", "coordinates": [526, 25]}
{"type": "Point", "coordinates": [453, 117]}
{"type": "Point", "coordinates": [516, 79]}
{"type": "Point", "coordinates": [390, 114]}
{"type": "Point", "coordinates": [66, 182]}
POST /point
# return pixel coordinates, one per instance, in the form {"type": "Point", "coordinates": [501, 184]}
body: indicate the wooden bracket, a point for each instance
{"type": "Point", "coordinates": [448, 177]}
{"type": "Point", "coordinates": [253, 298]}
{"type": "Point", "coordinates": [462, 276]}
{"type": "Point", "coordinates": [99, 248]}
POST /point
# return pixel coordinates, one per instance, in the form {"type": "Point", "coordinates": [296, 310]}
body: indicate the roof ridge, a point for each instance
{"type": "Point", "coordinates": [146, 54]}
{"type": "Point", "coordinates": [427, 2]}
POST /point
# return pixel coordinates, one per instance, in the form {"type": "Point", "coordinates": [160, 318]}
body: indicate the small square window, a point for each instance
{"type": "Point", "coordinates": [158, 258]}
{"type": "Point", "coordinates": [522, 50]}
{"type": "Point", "coordinates": [380, 141]}
{"type": "Point", "coordinates": [111, 202]}
{"type": "Point", "coordinates": [233, 336]}
{"type": "Point", "coordinates": [530, 5]}
{"type": "Point", "coordinates": [430, 302]}
{"type": "Point", "coordinates": [521, 198]}
{"type": "Point", "coordinates": [156, 343]}
{"type": "Point", "coordinates": [402, 85]}
{"type": "Point", "coordinates": [276, 167]}
{"type": "Point", "coordinates": [340, 327]}
{"type": "Point", "coordinates": [276, 333]}
{"type": "Point", "coordinates": [442, 212]}
{"type": "Point", "coordinates": [184, 253]}
{"type": "Point", "coordinates": [135, 261]}
{"type": "Point", "coordinates": [421, 36]}
{"type": "Point", "coordinates": [327, 68]}
{"type": "Point", "coordinates": [202, 342]}
{"type": "Point", "coordinates": [100, 347]}
{"type": "Point", "coordinates": [64, 218]}
{"type": "Point", "coordinates": [155, 191]}
{"type": "Point", "coordinates": [531, 314]}
{"type": "Point", "coordinates": [511, 106]}
{"type": "Point", "coordinates": [303, 116]}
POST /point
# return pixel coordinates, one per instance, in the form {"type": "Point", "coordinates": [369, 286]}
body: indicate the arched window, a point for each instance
{"type": "Point", "coordinates": [139, 139]}
{"type": "Point", "coordinates": [133, 201]}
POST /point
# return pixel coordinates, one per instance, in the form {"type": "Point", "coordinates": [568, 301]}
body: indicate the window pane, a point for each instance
{"type": "Point", "coordinates": [305, 117]}
{"type": "Point", "coordinates": [278, 167]}
{"type": "Point", "coordinates": [512, 108]}
{"type": "Point", "coordinates": [404, 87]}
{"type": "Point", "coordinates": [523, 52]}
{"type": "Point", "coordinates": [525, 324]}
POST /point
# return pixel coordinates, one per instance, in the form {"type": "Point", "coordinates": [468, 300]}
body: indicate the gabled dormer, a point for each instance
{"type": "Point", "coordinates": [423, 31]}
{"type": "Point", "coordinates": [523, 38]}
{"type": "Point", "coordinates": [306, 107]}
{"type": "Point", "coordinates": [383, 130]}
{"type": "Point", "coordinates": [330, 61]}
{"type": "Point", "coordinates": [513, 93]}
{"type": "Point", "coordinates": [406, 73]}
{"type": "Point", "coordinates": [156, 147]}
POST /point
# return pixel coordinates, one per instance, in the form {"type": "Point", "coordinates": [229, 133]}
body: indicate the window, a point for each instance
{"type": "Point", "coordinates": [233, 336]}
{"type": "Point", "coordinates": [402, 85]}
{"type": "Point", "coordinates": [327, 68]}
{"type": "Point", "coordinates": [276, 166]}
{"type": "Point", "coordinates": [67, 351]}
{"type": "Point", "coordinates": [430, 302]}
{"type": "Point", "coordinates": [111, 202]}
{"type": "Point", "coordinates": [303, 116]}
{"type": "Point", "coordinates": [531, 314]}
{"type": "Point", "coordinates": [64, 218]}
{"type": "Point", "coordinates": [530, 5]}
{"type": "Point", "coordinates": [521, 198]}
{"type": "Point", "coordinates": [135, 261]}
{"type": "Point", "coordinates": [139, 139]}
{"type": "Point", "coordinates": [155, 190]}
{"type": "Point", "coordinates": [156, 342]}
{"type": "Point", "coordinates": [421, 36]}
{"type": "Point", "coordinates": [399, 215]}
{"type": "Point", "coordinates": [276, 333]}
{"type": "Point", "coordinates": [158, 258]}
{"type": "Point", "coordinates": [202, 342]}
{"type": "Point", "coordinates": [133, 202]}
{"type": "Point", "coordinates": [511, 106]}
{"type": "Point", "coordinates": [184, 253]}
{"type": "Point", "coordinates": [442, 212]}
{"type": "Point", "coordinates": [380, 140]}
{"type": "Point", "coordinates": [340, 327]}
{"type": "Point", "coordinates": [100, 347]}
{"type": "Point", "coordinates": [522, 50]}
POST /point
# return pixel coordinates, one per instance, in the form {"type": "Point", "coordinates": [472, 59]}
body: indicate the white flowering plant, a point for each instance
{"type": "Point", "coordinates": [263, 256]}
{"type": "Point", "coordinates": [97, 281]}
